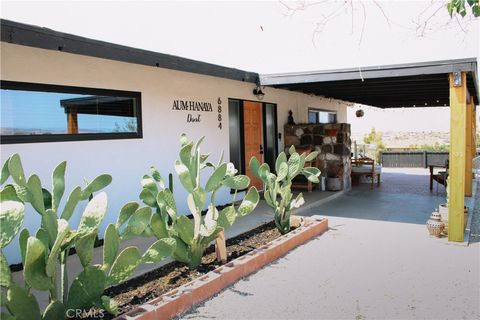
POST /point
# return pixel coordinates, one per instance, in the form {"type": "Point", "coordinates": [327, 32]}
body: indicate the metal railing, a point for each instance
{"type": "Point", "coordinates": [412, 159]}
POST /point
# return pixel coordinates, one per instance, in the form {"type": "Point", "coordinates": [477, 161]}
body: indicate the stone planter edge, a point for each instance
{"type": "Point", "coordinates": [183, 298]}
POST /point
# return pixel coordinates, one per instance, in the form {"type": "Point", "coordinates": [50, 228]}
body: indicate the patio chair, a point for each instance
{"type": "Point", "coordinates": [366, 167]}
{"type": "Point", "coordinates": [300, 181]}
{"type": "Point", "coordinates": [440, 177]}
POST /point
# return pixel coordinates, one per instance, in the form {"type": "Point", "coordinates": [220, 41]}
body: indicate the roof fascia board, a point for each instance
{"type": "Point", "coordinates": [475, 82]}
{"type": "Point", "coordinates": [368, 73]}
{"type": "Point", "coordinates": [44, 38]}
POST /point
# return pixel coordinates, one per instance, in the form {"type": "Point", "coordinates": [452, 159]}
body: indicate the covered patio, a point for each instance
{"type": "Point", "coordinates": [376, 261]}
{"type": "Point", "coordinates": [403, 197]}
{"type": "Point", "coordinates": [452, 83]}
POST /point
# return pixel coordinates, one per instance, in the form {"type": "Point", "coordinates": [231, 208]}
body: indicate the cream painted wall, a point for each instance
{"type": "Point", "coordinates": [128, 159]}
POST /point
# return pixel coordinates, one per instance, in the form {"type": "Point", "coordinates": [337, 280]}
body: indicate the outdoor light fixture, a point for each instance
{"type": "Point", "coordinates": [258, 93]}
{"type": "Point", "coordinates": [359, 113]}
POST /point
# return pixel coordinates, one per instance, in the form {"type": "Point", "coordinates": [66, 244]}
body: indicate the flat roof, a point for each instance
{"type": "Point", "coordinates": [390, 86]}
{"type": "Point", "coordinates": [44, 38]}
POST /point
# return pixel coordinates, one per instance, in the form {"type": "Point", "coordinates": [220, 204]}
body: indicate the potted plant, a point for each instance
{"type": "Point", "coordinates": [443, 210]}
{"type": "Point", "coordinates": [334, 181]}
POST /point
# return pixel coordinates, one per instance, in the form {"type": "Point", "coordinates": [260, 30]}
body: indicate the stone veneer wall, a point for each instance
{"type": "Point", "coordinates": [333, 143]}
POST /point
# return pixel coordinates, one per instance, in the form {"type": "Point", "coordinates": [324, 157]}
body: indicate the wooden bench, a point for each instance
{"type": "Point", "coordinates": [370, 171]}
{"type": "Point", "coordinates": [300, 181]}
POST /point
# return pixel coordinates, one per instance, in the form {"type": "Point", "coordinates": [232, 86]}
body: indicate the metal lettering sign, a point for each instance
{"type": "Point", "coordinates": [193, 106]}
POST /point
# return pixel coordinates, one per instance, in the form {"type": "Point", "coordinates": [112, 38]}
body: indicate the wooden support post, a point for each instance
{"type": "Point", "coordinates": [221, 247]}
{"type": "Point", "coordinates": [458, 118]}
{"type": "Point", "coordinates": [468, 150]}
{"type": "Point", "coordinates": [72, 121]}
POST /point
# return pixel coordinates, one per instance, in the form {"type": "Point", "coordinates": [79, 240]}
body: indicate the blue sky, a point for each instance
{"type": "Point", "coordinates": [42, 110]}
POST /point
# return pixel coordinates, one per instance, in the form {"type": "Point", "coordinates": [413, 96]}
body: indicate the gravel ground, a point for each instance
{"type": "Point", "coordinates": [371, 264]}
{"type": "Point", "coordinates": [359, 270]}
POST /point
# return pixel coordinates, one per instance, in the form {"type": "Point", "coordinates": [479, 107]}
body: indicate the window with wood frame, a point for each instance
{"type": "Point", "coordinates": [32, 112]}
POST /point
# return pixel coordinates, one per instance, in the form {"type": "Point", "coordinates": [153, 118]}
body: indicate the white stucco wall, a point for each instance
{"type": "Point", "coordinates": [128, 159]}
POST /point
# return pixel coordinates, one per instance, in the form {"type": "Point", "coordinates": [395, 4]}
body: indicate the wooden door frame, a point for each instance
{"type": "Point", "coordinates": [242, 168]}
{"type": "Point", "coordinates": [255, 121]}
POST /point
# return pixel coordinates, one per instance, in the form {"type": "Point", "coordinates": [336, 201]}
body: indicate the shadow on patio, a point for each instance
{"type": "Point", "coordinates": [403, 196]}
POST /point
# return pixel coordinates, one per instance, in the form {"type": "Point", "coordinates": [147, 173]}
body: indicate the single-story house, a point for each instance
{"type": "Point", "coordinates": [107, 108]}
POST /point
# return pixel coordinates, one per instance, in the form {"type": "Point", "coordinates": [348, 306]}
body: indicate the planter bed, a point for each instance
{"type": "Point", "coordinates": [174, 288]}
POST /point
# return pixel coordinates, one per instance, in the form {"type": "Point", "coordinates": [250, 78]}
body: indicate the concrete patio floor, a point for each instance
{"type": "Point", "coordinates": [376, 262]}
{"type": "Point", "coordinates": [403, 196]}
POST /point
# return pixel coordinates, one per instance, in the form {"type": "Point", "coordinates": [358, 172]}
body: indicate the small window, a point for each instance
{"type": "Point", "coordinates": [321, 116]}
{"type": "Point", "coordinates": [45, 113]}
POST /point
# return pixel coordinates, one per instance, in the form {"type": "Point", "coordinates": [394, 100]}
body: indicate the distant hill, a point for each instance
{"type": "Point", "coordinates": [29, 131]}
{"type": "Point", "coordinates": [35, 131]}
{"type": "Point", "coordinates": [393, 139]}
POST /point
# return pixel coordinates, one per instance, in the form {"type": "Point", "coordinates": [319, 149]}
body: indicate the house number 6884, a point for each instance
{"type": "Point", "coordinates": [219, 109]}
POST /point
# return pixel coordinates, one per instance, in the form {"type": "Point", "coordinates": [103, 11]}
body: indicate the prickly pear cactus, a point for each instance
{"type": "Point", "coordinates": [12, 212]}
{"type": "Point", "coordinates": [50, 245]}
{"type": "Point", "coordinates": [278, 194]}
{"type": "Point", "coordinates": [193, 237]}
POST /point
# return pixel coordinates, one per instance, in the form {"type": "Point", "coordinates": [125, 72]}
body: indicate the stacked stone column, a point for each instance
{"type": "Point", "coordinates": [333, 143]}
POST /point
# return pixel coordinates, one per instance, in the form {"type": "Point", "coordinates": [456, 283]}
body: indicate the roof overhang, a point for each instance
{"type": "Point", "coordinates": [393, 86]}
{"type": "Point", "coordinates": [44, 38]}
